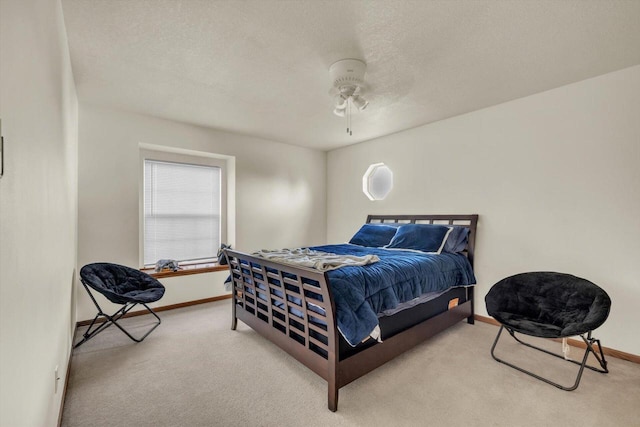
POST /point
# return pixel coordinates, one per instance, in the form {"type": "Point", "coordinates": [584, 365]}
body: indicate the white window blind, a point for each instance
{"type": "Point", "coordinates": [181, 211]}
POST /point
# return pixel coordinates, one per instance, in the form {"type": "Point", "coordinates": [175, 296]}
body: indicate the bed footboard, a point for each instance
{"type": "Point", "coordinates": [290, 306]}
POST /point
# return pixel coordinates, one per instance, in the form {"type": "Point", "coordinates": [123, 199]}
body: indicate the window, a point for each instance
{"type": "Point", "coordinates": [183, 204]}
{"type": "Point", "coordinates": [377, 181]}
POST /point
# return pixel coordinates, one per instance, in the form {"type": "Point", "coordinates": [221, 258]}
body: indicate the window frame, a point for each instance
{"type": "Point", "coordinates": [191, 267]}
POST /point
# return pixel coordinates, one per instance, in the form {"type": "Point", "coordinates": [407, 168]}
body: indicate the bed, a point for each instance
{"type": "Point", "coordinates": [296, 307]}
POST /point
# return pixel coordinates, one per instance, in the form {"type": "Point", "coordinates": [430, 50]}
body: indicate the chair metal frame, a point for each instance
{"type": "Point", "coordinates": [113, 319]}
{"type": "Point", "coordinates": [588, 340]}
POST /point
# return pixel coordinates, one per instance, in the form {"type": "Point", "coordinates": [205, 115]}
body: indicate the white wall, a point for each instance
{"type": "Point", "coordinates": [38, 210]}
{"type": "Point", "coordinates": [280, 193]}
{"type": "Point", "coordinates": [555, 178]}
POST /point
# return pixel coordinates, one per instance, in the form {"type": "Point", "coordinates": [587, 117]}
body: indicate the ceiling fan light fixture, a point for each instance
{"type": "Point", "coordinates": [347, 79]}
{"type": "Point", "coordinates": [359, 102]}
{"type": "Point", "coordinates": [341, 103]}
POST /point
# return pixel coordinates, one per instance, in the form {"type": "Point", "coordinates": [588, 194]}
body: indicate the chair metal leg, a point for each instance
{"type": "Point", "coordinates": [102, 326]}
{"type": "Point", "coordinates": [113, 320]}
{"type": "Point", "coordinates": [589, 349]}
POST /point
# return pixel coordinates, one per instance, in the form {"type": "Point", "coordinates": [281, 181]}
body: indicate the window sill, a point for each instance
{"type": "Point", "coordinates": [185, 270]}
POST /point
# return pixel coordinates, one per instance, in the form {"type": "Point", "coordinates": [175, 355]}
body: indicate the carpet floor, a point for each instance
{"type": "Point", "coordinates": [194, 371]}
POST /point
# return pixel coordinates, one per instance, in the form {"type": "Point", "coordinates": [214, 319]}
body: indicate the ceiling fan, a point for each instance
{"type": "Point", "coordinates": [348, 87]}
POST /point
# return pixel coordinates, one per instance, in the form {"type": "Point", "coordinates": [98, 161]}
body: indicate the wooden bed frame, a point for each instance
{"type": "Point", "coordinates": [315, 346]}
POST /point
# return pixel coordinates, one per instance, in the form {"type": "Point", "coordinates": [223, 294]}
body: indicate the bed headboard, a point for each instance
{"type": "Point", "coordinates": [469, 221]}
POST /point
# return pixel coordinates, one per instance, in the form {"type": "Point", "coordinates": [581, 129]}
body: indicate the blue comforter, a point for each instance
{"type": "Point", "coordinates": [360, 293]}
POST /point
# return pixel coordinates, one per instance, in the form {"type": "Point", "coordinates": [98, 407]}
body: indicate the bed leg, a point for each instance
{"type": "Point", "coordinates": [471, 319]}
{"type": "Point", "coordinates": [234, 319]}
{"type": "Point", "coordinates": [333, 398]}
{"type": "Point", "coordinates": [332, 381]}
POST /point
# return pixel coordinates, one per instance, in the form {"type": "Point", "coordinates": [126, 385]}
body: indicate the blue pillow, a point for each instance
{"type": "Point", "coordinates": [457, 240]}
{"type": "Point", "coordinates": [374, 235]}
{"type": "Point", "coordinates": [421, 237]}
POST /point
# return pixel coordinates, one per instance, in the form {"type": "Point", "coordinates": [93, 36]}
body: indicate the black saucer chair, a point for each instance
{"type": "Point", "coordinates": [120, 285]}
{"type": "Point", "coordinates": [550, 305]}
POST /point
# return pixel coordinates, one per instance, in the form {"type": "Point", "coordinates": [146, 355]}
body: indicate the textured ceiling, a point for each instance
{"type": "Point", "coordinates": [260, 67]}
